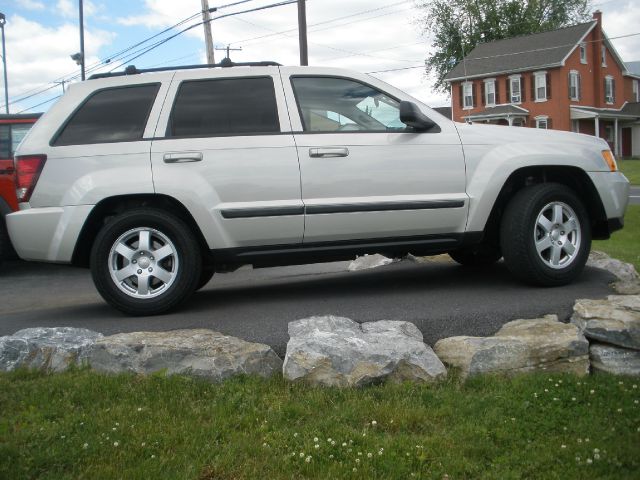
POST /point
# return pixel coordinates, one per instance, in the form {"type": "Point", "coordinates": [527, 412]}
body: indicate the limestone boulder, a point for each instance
{"type": "Point", "coordinates": [614, 320]}
{"type": "Point", "coordinates": [519, 346]}
{"type": "Point", "coordinates": [625, 287]}
{"type": "Point", "coordinates": [623, 270]}
{"type": "Point", "coordinates": [615, 360]}
{"type": "Point", "coordinates": [49, 349]}
{"type": "Point", "coordinates": [336, 351]}
{"type": "Point", "coordinates": [199, 353]}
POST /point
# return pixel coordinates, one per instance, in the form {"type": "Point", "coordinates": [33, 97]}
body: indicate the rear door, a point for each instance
{"type": "Point", "coordinates": [224, 148]}
{"type": "Point", "coordinates": [364, 174]}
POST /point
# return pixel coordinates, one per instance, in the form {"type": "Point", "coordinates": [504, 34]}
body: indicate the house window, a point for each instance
{"type": "Point", "coordinates": [542, 122]}
{"type": "Point", "coordinates": [574, 85]}
{"type": "Point", "coordinates": [490, 92]}
{"type": "Point", "coordinates": [515, 89]}
{"type": "Point", "coordinates": [541, 86]}
{"type": "Point", "coordinates": [608, 133]}
{"type": "Point", "coordinates": [636, 91]}
{"type": "Point", "coordinates": [519, 122]}
{"type": "Point", "coordinates": [609, 89]}
{"type": "Point", "coordinates": [603, 55]}
{"type": "Point", "coordinates": [467, 89]}
{"type": "Point", "coordinates": [583, 53]}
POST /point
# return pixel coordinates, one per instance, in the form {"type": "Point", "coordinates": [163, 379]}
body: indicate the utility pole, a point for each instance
{"type": "Point", "coordinates": [3, 20]}
{"type": "Point", "coordinates": [302, 32]}
{"type": "Point", "coordinates": [81, 13]}
{"type": "Point", "coordinates": [208, 38]}
{"type": "Point", "coordinates": [228, 49]}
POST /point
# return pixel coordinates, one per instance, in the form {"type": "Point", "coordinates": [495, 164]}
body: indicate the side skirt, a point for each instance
{"type": "Point", "coordinates": [228, 259]}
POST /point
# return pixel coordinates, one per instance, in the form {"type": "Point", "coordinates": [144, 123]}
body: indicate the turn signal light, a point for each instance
{"type": "Point", "coordinates": [610, 159]}
{"type": "Point", "coordinates": [28, 168]}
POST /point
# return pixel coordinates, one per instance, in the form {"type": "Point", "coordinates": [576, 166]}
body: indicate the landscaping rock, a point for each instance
{"type": "Point", "coordinates": [624, 287]}
{"type": "Point", "coordinates": [48, 349]}
{"type": "Point", "coordinates": [200, 353]}
{"type": "Point", "coordinates": [615, 321]}
{"type": "Point", "coordinates": [519, 346]}
{"type": "Point", "coordinates": [622, 270]}
{"type": "Point", "coordinates": [615, 360]}
{"type": "Point", "coordinates": [369, 261]}
{"type": "Point", "coordinates": [336, 351]}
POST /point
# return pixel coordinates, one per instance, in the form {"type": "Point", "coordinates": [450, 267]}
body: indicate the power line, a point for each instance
{"type": "Point", "coordinates": [40, 104]}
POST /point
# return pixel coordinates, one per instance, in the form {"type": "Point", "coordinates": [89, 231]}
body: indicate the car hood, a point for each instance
{"type": "Point", "coordinates": [479, 134]}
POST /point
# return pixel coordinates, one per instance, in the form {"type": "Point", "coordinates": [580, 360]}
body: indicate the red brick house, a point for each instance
{"type": "Point", "coordinates": [567, 79]}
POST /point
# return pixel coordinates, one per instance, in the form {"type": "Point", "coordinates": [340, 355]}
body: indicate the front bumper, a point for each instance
{"type": "Point", "coordinates": [47, 234]}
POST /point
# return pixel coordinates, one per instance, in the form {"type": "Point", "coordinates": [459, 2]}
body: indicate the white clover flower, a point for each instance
{"type": "Point", "coordinates": [139, 409]}
{"type": "Point", "coordinates": [592, 391]}
{"type": "Point", "coordinates": [85, 446]}
{"type": "Point", "coordinates": [586, 439]}
{"type": "Point", "coordinates": [117, 424]}
{"type": "Point", "coordinates": [635, 401]}
{"type": "Point", "coordinates": [563, 446]}
{"type": "Point", "coordinates": [557, 385]}
{"type": "Point", "coordinates": [114, 429]}
{"type": "Point", "coordinates": [115, 444]}
{"type": "Point", "coordinates": [316, 446]}
{"type": "Point", "coordinates": [359, 454]}
{"type": "Point", "coordinates": [577, 459]}
{"type": "Point", "coordinates": [596, 450]}
{"type": "Point", "coordinates": [589, 461]}
{"type": "Point", "coordinates": [143, 444]}
{"type": "Point", "coordinates": [344, 444]}
{"type": "Point", "coordinates": [364, 434]}
{"type": "Point", "coordinates": [369, 455]}
{"type": "Point", "coordinates": [357, 460]}
{"type": "Point", "coordinates": [153, 456]}
{"type": "Point", "coordinates": [301, 454]}
{"type": "Point", "coordinates": [330, 456]}
{"type": "Point", "coordinates": [308, 459]}
{"type": "Point", "coordinates": [295, 434]}
{"type": "Point", "coordinates": [619, 410]}
{"type": "Point", "coordinates": [596, 456]}
{"type": "Point", "coordinates": [579, 440]}
{"type": "Point", "coordinates": [379, 452]}
{"type": "Point", "coordinates": [329, 440]}
{"type": "Point", "coordinates": [355, 469]}
{"type": "Point", "coordinates": [315, 439]}
{"type": "Point", "coordinates": [374, 423]}
{"type": "Point", "coordinates": [546, 389]}
{"type": "Point", "coordinates": [620, 383]}
{"type": "Point", "coordinates": [635, 386]}
{"type": "Point", "coordinates": [63, 437]}
{"type": "Point", "coordinates": [573, 399]}
{"type": "Point", "coordinates": [333, 442]}
{"type": "Point", "coordinates": [555, 399]}
{"type": "Point", "coordinates": [264, 444]}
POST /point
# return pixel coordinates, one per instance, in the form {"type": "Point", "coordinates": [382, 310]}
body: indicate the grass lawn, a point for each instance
{"type": "Point", "coordinates": [631, 169]}
{"type": "Point", "coordinates": [84, 425]}
{"type": "Point", "coordinates": [624, 244]}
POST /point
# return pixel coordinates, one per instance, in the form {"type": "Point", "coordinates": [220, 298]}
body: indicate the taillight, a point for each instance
{"type": "Point", "coordinates": [28, 168]}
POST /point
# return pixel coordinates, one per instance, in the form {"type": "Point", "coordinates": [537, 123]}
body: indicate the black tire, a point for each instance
{"type": "Point", "coordinates": [6, 249]}
{"type": "Point", "coordinates": [166, 230]}
{"type": "Point", "coordinates": [520, 230]}
{"type": "Point", "coordinates": [205, 277]}
{"type": "Point", "coordinates": [480, 255]}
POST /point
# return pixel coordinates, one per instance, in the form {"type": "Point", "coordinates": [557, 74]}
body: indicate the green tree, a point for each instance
{"type": "Point", "coordinates": [457, 26]}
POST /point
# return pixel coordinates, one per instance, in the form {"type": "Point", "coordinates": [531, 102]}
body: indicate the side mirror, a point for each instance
{"type": "Point", "coordinates": [411, 116]}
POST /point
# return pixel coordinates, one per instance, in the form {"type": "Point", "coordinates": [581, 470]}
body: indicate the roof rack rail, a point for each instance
{"type": "Point", "coordinates": [225, 63]}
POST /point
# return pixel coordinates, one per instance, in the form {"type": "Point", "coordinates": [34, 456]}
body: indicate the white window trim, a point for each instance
{"type": "Point", "coordinates": [511, 79]}
{"type": "Point", "coordinates": [636, 90]}
{"type": "Point", "coordinates": [583, 48]}
{"type": "Point", "coordinates": [464, 95]}
{"type": "Point", "coordinates": [542, 118]}
{"type": "Point", "coordinates": [608, 81]}
{"type": "Point", "coordinates": [487, 82]}
{"type": "Point", "coordinates": [538, 75]}
{"type": "Point", "coordinates": [603, 55]}
{"type": "Point", "coordinates": [575, 74]}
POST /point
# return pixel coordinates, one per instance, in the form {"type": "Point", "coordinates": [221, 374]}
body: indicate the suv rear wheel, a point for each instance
{"type": "Point", "coordinates": [545, 235]}
{"type": "Point", "coordinates": [145, 262]}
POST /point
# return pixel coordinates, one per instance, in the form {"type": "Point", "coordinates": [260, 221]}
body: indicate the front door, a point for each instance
{"type": "Point", "coordinates": [365, 174]}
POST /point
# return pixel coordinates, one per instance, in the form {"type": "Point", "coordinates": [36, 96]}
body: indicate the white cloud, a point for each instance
{"type": "Point", "coordinates": [70, 8]}
{"type": "Point", "coordinates": [37, 54]}
{"type": "Point", "coordinates": [624, 20]}
{"type": "Point", "coordinates": [30, 4]}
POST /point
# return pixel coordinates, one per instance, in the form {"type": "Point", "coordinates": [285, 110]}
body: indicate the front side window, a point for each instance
{"type": "Point", "coordinates": [603, 55]}
{"type": "Point", "coordinates": [636, 91]}
{"type": "Point", "coordinates": [515, 90]}
{"type": "Point", "coordinates": [220, 107]}
{"type": "Point", "coordinates": [541, 86]}
{"type": "Point", "coordinates": [338, 104]}
{"type": "Point", "coordinates": [583, 53]}
{"type": "Point", "coordinates": [609, 90]}
{"type": "Point", "coordinates": [542, 122]}
{"type": "Point", "coordinates": [490, 92]}
{"type": "Point", "coordinates": [111, 115]}
{"type": "Point", "coordinates": [574, 85]}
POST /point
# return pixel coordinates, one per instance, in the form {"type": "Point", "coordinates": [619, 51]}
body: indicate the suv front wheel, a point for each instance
{"type": "Point", "coordinates": [145, 262]}
{"type": "Point", "coordinates": [545, 235]}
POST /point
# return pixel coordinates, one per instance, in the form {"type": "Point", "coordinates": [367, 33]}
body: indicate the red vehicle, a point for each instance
{"type": "Point", "coordinates": [12, 130]}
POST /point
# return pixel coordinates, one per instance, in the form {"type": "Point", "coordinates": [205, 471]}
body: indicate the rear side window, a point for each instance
{"type": "Point", "coordinates": [112, 115]}
{"type": "Point", "coordinates": [238, 106]}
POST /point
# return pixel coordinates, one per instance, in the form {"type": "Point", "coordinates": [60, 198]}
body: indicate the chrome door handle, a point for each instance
{"type": "Point", "coordinates": [184, 157]}
{"type": "Point", "coordinates": [328, 152]}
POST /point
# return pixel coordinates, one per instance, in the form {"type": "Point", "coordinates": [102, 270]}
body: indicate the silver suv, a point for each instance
{"type": "Point", "coordinates": [157, 179]}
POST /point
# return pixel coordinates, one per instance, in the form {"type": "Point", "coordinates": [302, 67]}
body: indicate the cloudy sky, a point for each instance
{"type": "Point", "coordinates": [364, 35]}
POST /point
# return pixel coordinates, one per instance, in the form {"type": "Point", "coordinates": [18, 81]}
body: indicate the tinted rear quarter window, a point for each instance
{"type": "Point", "coordinates": [110, 115]}
{"type": "Point", "coordinates": [218, 107]}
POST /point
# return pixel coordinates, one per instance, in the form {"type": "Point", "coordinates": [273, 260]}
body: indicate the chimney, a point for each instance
{"type": "Point", "coordinates": [598, 78]}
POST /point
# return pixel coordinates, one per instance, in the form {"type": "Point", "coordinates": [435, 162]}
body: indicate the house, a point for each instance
{"type": "Point", "coordinates": [567, 79]}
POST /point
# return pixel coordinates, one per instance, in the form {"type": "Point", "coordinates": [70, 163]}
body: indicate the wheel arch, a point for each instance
{"type": "Point", "coordinates": [572, 177]}
{"type": "Point", "coordinates": [111, 206]}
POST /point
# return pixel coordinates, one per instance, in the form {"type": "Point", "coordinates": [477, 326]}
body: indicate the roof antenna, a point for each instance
{"type": "Point", "coordinates": [228, 49]}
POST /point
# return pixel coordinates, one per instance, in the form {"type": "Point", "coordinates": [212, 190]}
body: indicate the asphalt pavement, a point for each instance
{"type": "Point", "coordinates": [634, 196]}
{"type": "Point", "coordinates": [441, 298]}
